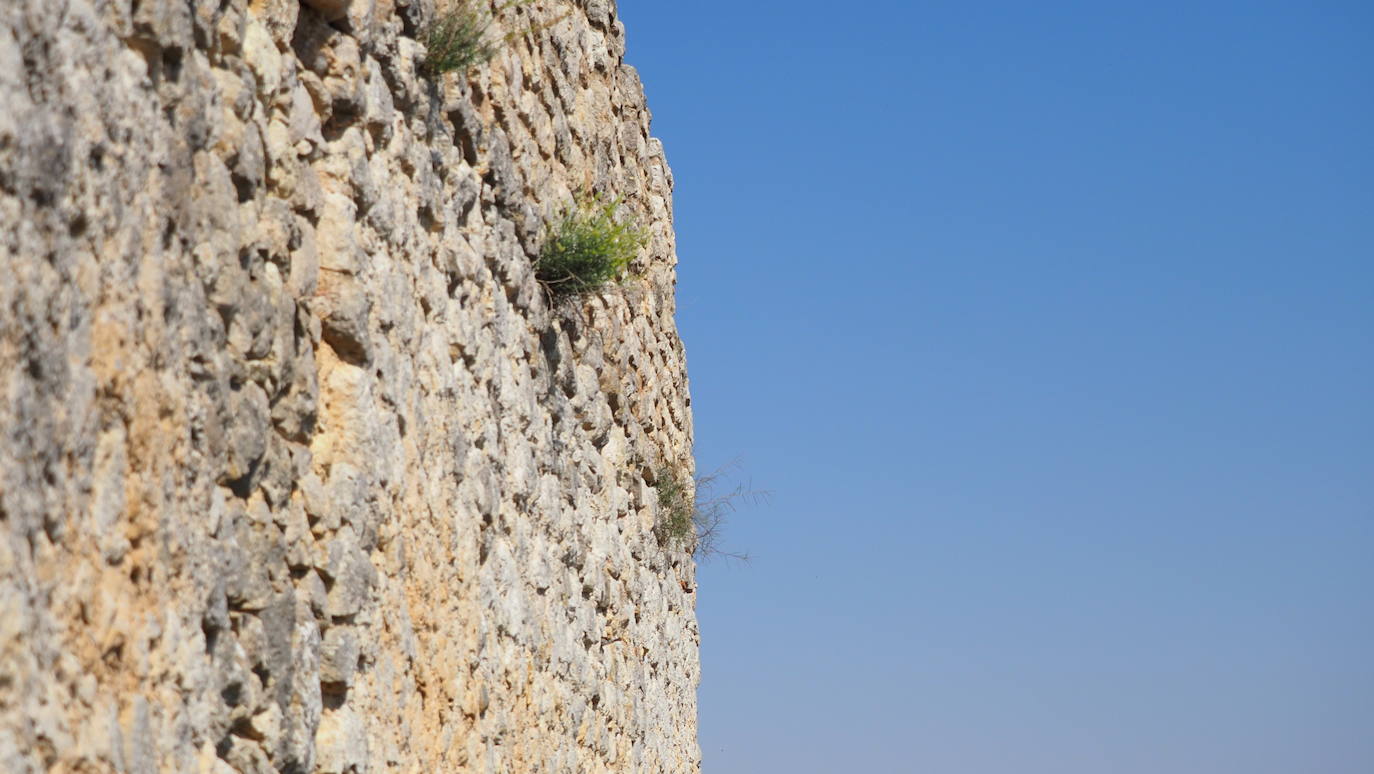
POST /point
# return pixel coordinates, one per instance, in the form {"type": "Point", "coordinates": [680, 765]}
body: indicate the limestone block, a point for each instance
{"type": "Point", "coordinates": [341, 742]}
{"type": "Point", "coordinates": [278, 17]}
{"type": "Point", "coordinates": [263, 59]}
{"type": "Point", "coordinates": [346, 309]}
{"type": "Point", "coordinates": [339, 656]}
{"type": "Point", "coordinates": [247, 432]}
{"type": "Point", "coordinates": [305, 122]}
{"type": "Point", "coordinates": [351, 574]}
{"type": "Point", "coordinates": [165, 23]}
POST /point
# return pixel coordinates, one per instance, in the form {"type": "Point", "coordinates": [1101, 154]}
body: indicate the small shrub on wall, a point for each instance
{"type": "Point", "coordinates": [587, 248]}
{"type": "Point", "coordinates": [457, 39]}
{"type": "Point", "coordinates": [460, 37]}
{"type": "Point", "coordinates": [692, 512]}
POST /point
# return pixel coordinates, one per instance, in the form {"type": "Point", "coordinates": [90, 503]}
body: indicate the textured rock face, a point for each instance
{"type": "Point", "coordinates": [299, 469]}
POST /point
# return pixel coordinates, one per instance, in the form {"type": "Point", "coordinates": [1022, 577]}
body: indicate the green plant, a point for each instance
{"type": "Point", "coordinates": [587, 248]}
{"type": "Point", "coordinates": [691, 514]}
{"type": "Point", "coordinates": [459, 37]}
{"type": "Point", "coordinates": [676, 502]}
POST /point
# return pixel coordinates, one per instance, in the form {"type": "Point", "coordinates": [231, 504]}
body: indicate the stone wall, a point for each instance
{"type": "Point", "coordinates": [300, 470]}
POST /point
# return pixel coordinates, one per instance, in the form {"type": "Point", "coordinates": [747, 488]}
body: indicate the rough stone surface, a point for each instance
{"type": "Point", "coordinates": [299, 469]}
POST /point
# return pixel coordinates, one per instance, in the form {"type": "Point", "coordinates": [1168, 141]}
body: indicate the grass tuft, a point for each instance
{"type": "Point", "coordinates": [460, 38]}
{"type": "Point", "coordinates": [692, 515]}
{"type": "Point", "coordinates": [675, 505]}
{"type": "Point", "coordinates": [587, 248]}
{"type": "Point", "coordinates": [457, 39]}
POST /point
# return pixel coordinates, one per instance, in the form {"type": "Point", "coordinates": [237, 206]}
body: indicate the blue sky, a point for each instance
{"type": "Point", "coordinates": [1050, 326]}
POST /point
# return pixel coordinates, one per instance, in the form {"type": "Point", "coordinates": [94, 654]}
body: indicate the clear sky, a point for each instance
{"type": "Point", "coordinates": [1051, 327]}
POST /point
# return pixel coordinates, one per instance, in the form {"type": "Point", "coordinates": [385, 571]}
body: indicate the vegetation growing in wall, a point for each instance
{"type": "Point", "coordinates": [461, 37]}
{"type": "Point", "coordinates": [676, 501]}
{"type": "Point", "coordinates": [692, 513]}
{"type": "Point", "coordinates": [457, 39]}
{"type": "Point", "coordinates": [588, 247]}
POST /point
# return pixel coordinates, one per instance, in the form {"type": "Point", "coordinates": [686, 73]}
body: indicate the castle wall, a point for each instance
{"type": "Point", "coordinates": [300, 469]}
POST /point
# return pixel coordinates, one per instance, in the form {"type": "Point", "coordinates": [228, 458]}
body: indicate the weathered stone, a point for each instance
{"type": "Point", "coordinates": [302, 713]}
{"type": "Point", "coordinates": [243, 754]}
{"type": "Point", "coordinates": [339, 656]}
{"type": "Point", "coordinates": [341, 742]}
{"type": "Point", "coordinates": [247, 436]}
{"type": "Point", "coordinates": [261, 55]}
{"type": "Point", "coordinates": [349, 574]}
{"type": "Point", "coordinates": [330, 9]}
{"type": "Point", "coordinates": [278, 17]}
{"type": "Point", "coordinates": [248, 579]}
{"type": "Point", "coordinates": [338, 247]}
{"type": "Point", "coordinates": [380, 109]}
{"type": "Point", "coordinates": [305, 122]}
{"type": "Point", "coordinates": [346, 308]}
{"type": "Point", "coordinates": [164, 23]}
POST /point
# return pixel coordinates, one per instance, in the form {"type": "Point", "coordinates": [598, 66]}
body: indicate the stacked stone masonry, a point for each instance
{"type": "Point", "coordinates": [300, 470]}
